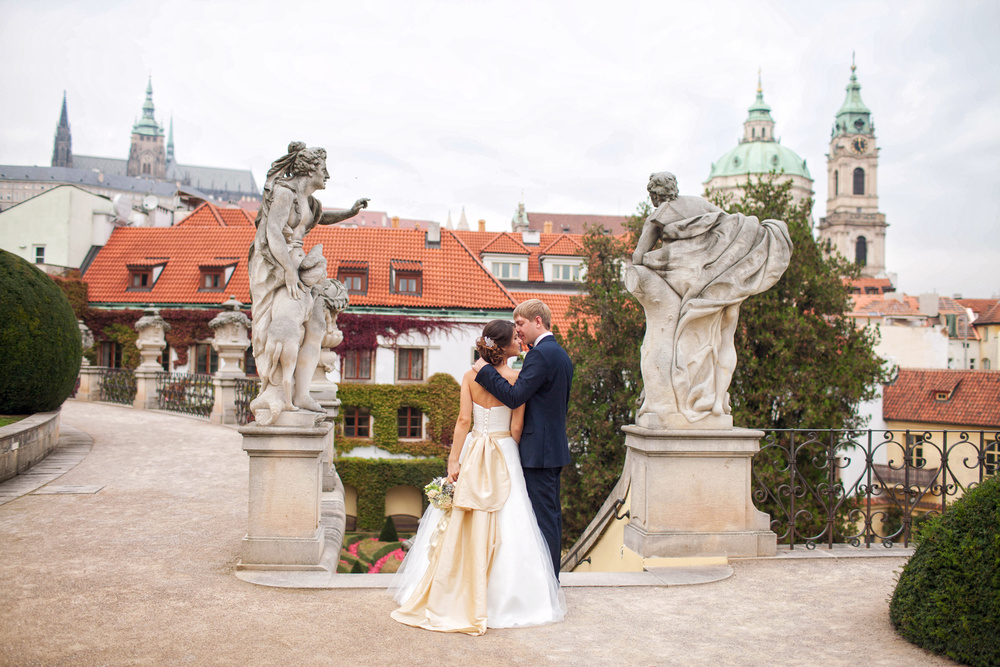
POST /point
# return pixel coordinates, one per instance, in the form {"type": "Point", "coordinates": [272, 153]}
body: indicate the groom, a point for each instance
{"type": "Point", "coordinates": [544, 385]}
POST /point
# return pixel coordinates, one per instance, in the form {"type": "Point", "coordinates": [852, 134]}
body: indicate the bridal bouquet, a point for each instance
{"type": "Point", "coordinates": [439, 492]}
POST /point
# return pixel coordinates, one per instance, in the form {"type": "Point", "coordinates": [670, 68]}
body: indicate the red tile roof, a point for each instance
{"type": "Point", "coordinates": [506, 244]}
{"type": "Point", "coordinates": [565, 245]}
{"type": "Point", "coordinates": [561, 243]}
{"type": "Point", "coordinates": [453, 277]}
{"type": "Point", "coordinates": [863, 285]}
{"type": "Point", "coordinates": [878, 305]}
{"type": "Point", "coordinates": [978, 306]}
{"type": "Point", "coordinates": [576, 223]}
{"type": "Point", "coordinates": [991, 316]}
{"type": "Point", "coordinates": [210, 215]}
{"type": "Point", "coordinates": [558, 303]}
{"type": "Point", "coordinates": [973, 397]}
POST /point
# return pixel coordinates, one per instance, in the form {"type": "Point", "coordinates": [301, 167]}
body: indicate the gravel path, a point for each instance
{"type": "Point", "coordinates": [141, 573]}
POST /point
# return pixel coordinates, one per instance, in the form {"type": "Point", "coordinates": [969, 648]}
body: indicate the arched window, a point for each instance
{"type": "Point", "coordinates": [836, 183]}
{"type": "Point", "coordinates": [753, 132]}
{"type": "Point", "coordinates": [861, 251]}
{"type": "Point", "coordinates": [859, 181]}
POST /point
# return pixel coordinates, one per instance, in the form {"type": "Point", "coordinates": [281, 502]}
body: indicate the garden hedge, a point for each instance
{"type": "Point", "coordinates": [39, 340]}
{"type": "Point", "coordinates": [947, 599]}
{"type": "Point", "coordinates": [374, 477]}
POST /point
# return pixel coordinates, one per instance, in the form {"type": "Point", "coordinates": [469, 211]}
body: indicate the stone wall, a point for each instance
{"type": "Point", "coordinates": [25, 443]}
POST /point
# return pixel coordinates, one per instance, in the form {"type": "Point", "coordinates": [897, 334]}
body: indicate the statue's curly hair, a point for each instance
{"type": "Point", "coordinates": [298, 161]}
{"type": "Point", "coordinates": [664, 183]}
{"type": "Point", "coordinates": [500, 333]}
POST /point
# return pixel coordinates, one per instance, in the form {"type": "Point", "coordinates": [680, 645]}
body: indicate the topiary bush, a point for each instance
{"type": "Point", "coordinates": [947, 599]}
{"type": "Point", "coordinates": [39, 340]}
{"type": "Point", "coordinates": [388, 533]}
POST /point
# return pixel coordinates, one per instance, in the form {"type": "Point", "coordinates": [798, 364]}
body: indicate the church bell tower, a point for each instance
{"type": "Point", "coordinates": [853, 223]}
{"type": "Point", "coordinates": [147, 156]}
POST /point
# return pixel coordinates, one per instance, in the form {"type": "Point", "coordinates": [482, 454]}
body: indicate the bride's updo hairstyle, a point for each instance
{"type": "Point", "coordinates": [496, 337]}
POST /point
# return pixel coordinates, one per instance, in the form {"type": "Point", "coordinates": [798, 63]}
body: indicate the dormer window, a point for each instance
{"type": "Point", "coordinates": [215, 276]}
{"type": "Point", "coordinates": [354, 275]}
{"type": "Point", "coordinates": [407, 277]}
{"type": "Point", "coordinates": [508, 270]}
{"type": "Point", "coordinates": [211, 280]}
{"type": "Point", "coordinates": [142, 277]}
{"type": "Point", "coordinates": [408, 282]}
{"type": "Point", "coordinates": [566, 272]}
{"type": "Point", "coordinates": [940, 396]}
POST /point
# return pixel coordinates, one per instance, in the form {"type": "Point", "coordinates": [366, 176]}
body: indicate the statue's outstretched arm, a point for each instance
{"type": "Point", "coordinates": [333, 217]}
{"type": "Point", "coordinates": [650, 235]}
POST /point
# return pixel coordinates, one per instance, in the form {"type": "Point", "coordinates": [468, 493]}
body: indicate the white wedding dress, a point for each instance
{"type": "Point", "coordinates": [520, 587]}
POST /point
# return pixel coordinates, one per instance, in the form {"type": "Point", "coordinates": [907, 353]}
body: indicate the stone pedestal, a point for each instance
{"type": "Point", "coordinates": [90, 383]}
{"type": "Point", "coordinates": [145, 388]}
{"type": "Point", "coordinates": [691, 494]}
{"type": "Point", "coordinates": [286, 480]}
{"type": "Point", "coordinates": [325, 393]}
{"type": "Point", "coordinates": [231, 342]}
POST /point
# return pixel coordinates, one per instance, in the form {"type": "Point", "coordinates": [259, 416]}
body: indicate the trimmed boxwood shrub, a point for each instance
{"type": "Point", "coordinates": [39, 340]}
{"type": "Point", "coordinates": [388, 533]}
{"type": "Point", "coordinates": [947, 599]}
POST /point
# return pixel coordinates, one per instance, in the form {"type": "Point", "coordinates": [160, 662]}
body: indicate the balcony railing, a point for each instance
{"type": "Point", "coordinates": [246, 391]}
{"type": "Point", "coordinates": [825, 486]}
{"type": "Point", "coordinates": [188, 393]}
{"type": "Point", "coordinates": [117, 385]}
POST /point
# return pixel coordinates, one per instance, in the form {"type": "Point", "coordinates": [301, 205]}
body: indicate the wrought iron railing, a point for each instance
{"type": "Point", "coordinates": [188, 393]}
{"type": "Point", "coordinates": [117, 385]}
{"type": "Point", "coordinates": [868, 486]}
{"type": "Point", "coordinates": [246, 391]}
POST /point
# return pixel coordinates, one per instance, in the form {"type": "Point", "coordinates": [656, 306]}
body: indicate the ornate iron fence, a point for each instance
{"type": "Point", "coordinates": [246, 391]}
{"type": "Point", "coordinates": [117, 385]}
{"type": "Point", "coordinates": [826, 486]}
{"type": "Point", "coordinates": [189, 393]}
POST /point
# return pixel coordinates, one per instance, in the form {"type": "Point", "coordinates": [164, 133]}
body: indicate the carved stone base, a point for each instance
{"type": "Point", "coordinates": [286, 478]}
{"type": "Point", "coordinates": [691, 494]}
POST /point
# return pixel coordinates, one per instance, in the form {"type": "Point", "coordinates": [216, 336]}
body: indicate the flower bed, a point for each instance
{"type": "Point", "coordinates": [362, 553]}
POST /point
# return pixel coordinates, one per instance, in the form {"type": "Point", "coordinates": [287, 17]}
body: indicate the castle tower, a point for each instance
{"type": "Point", "coordinates": [758, 154]}
{"type": "Point", "coordinates": [147, 157]}
{"type": "Point", "coordinates": [62, 151]}
{"type": "Point", "coordinates": [853, 223]}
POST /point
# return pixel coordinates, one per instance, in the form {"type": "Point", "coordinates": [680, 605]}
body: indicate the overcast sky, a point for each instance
{"type": "Point", "coordinates": [426, 107]}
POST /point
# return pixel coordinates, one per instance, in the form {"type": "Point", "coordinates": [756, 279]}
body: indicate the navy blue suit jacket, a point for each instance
{"type": "Point", "coordinates": [543, 385]}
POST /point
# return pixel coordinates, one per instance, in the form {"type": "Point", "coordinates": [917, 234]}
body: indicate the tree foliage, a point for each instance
{"type": "Point", "coordinates": [802, 363]}
{"type": "Point", "coordinates": [605, 332]}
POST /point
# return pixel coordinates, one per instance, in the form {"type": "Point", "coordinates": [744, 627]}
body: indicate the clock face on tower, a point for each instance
{"type": "Point", "coordinates": [860, 145]}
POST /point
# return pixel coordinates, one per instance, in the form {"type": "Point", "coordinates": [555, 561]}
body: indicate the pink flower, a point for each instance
{"type": "Point", "coordinates": [380, 563]}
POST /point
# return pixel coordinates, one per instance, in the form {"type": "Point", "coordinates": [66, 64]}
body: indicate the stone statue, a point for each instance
{"type": "Point", "coordinates": [294, 303]}
{"type": "Point", "coordinates": [691, 289]}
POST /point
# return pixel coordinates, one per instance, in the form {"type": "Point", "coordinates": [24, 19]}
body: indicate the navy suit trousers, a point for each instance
{"type": "Point", "coordinates": [543, 491]}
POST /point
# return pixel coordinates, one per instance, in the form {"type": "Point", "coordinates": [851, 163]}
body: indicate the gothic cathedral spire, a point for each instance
{"type": "Point", "coordinates": [853, 223]}
{"type": "Point", "coordinates": [62, 151]}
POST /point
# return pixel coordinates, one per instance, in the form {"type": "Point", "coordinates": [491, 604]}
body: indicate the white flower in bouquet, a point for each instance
{"type": "Point", "coordinates": [439, 492]}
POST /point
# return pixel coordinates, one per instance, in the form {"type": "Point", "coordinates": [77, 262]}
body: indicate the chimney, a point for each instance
{"type": "Point", "coordinates": [416, 226]}
{"type": "Point", "coordinates": [529, 237]}
{"type": "Point", "coordinates": [433, 239]}
{"type": "Point", "coordinates": [395, 222]}
{"type": "Point", "coordinates": [482, 225]}
{"type": "Point", "coordinates": [547, 227]}
{"type": "Point", "coordinates": [929, 304]}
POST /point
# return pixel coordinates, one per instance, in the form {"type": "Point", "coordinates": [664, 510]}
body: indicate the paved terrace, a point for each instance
{"type": "Point", "coordinates": [121, 550]}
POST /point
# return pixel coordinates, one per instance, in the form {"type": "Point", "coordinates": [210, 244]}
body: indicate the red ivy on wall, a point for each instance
{"type": "Point", "coordinates": [362, 330]}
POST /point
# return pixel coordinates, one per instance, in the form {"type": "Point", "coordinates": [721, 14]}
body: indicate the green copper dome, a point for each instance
{"type": "Point", "coordinates": [759, 157]}
{"type": "Point", "coordinates": [758, 152]}
{"type": "Point", "coordinates": [854, 117]}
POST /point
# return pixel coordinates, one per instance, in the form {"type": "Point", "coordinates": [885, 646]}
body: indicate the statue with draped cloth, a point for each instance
{"type": "Point", "coordinates": [691, 289]}
{"type": "Point", "coordinates": [294, 302]}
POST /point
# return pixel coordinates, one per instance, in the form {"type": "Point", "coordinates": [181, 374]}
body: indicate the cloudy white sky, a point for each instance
{"type": "Point", "coordinates": [430, 106]}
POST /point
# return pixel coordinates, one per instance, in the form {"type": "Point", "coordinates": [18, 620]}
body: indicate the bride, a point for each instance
{"type": "Point", "coordinates": [483, 563]}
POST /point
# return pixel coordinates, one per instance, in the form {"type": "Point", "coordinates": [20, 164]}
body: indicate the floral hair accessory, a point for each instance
{"type": "Point", "coordinates": [488, 342]}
